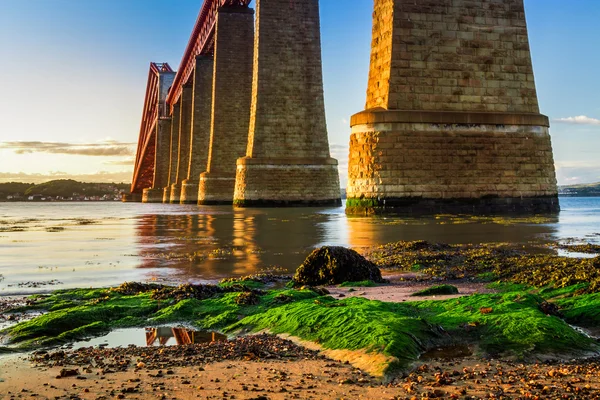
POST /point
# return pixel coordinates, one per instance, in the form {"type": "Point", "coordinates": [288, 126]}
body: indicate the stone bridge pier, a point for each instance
{"type": "Point", "coordinates": [451, 122]}
{"type": "Point", "coordinates": [173, 151]}
{"type": "Point", "coordinates": [182, 153]}
{"type": "Point", "coordinates": [200, 128]}
{"type": "Point", "coordinates": [287, 160]}
{"type": "Point", "coordinates": [161, 162]}
{"type": "Point", "coordinates": [230, 113]}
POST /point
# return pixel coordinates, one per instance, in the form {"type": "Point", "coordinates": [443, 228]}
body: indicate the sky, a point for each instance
{"type": "Point", "coordinates": [74, 73]}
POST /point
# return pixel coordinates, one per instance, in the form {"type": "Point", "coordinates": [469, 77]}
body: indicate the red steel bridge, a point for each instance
{"type": "Point", "coordinates": [201, 43]}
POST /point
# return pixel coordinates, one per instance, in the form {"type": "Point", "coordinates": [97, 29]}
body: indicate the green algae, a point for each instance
{"type": "Point", "coordinates": [501, 261]}
{"type": "Point", "coordinates": [510, 322]}
{"type": "Point", "coordinates": [351, 324]}
{"type": "Point", "coordinates": [80, 318]}
{"type": "Point", "coordinates": [437, 290]}
{"type": "Point", "coordinates": [367, 283]}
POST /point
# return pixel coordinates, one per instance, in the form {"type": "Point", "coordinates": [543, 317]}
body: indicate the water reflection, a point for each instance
{"type": "Point", "coordinates": [212, 242]}
{"type": "Point", "coordinates": [175, 244]}
{"type": "Point", "coordinates": [203, 243]}
{"type": "Point", "coordinates": [182, 336]}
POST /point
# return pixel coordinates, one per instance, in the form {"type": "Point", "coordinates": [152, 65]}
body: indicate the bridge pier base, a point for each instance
{"type": "Point", "coordinates": [231, 89]}
{"type": "Point", "coordinates": [287, 182]}
{"type": "Point", "coordinates": [189, 192]}
{"type": "Point", "coordinates": [175, 194]}
{"type": "Point", "coordinates": [152, 196]}
{"type": "Point", "coordinates": [131, 198]}
{"type": "Point", "coordinates": [166, 197]}
{"type": "Point", "coordinates": [287, 161]}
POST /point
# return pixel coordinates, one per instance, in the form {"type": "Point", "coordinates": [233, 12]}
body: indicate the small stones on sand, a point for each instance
{"type": "Point", "coordinates": [65, 372]}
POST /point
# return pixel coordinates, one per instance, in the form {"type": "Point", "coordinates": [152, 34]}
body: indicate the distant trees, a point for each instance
{"type": "Point", "coordinates": [64, 188]}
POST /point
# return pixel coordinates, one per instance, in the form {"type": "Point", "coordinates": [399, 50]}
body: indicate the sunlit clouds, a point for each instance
{"type": "Point", "coordinates": [579, 120]}
{"type": "Point", "coordinates": [102, 149]}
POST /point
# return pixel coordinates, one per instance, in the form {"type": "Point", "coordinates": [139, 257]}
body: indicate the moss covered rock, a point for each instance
{"type": "Point", "coordinates": [437, 290]}
{"type": "Point", "coordinates": [331, 265]}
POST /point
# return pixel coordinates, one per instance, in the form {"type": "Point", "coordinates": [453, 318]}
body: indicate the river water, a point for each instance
{"type": "Point", "coordinates": [46, 246]}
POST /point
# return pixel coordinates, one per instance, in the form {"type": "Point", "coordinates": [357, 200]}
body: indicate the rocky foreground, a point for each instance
{"type": "Point", "coordinates": [268, 367]}
{"type": "Point", "coordinates": [506, 310]}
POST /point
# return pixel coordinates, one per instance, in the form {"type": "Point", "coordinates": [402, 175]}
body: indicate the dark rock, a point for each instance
{"type": "Point", "coordinates": [550, 309]}
{"type": "Point", "coordinates": [331, 265]}
{"type": "Point", "coordinates": [68, 372]}
{"type": "Point", "coordinates": [247, 298]}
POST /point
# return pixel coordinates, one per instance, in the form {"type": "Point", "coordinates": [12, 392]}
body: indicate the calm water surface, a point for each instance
{"type": "Point", "coordinates": [45, 246]}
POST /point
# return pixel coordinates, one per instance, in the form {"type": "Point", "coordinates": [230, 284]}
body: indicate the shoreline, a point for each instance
{"type": "Point", "coordinates": [114, 373]}
{"type": "Point", "coordinates": [446, 344]}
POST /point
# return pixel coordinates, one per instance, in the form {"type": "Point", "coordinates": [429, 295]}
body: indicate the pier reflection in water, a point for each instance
{"type": "Point", "coordinates": [212, 242]}
{"type": "Point", "coordinates": [53, 246]}
{"type": "Point", "coordinates": [162, 336]}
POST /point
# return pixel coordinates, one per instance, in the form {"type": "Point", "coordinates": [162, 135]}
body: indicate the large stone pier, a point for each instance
{"type": "Point", "coordinates": [452, 120]}
{"type": "Point", "coordinates": [287, 161]}
{"type": "Point", "coordinates": [173, 152]}
{"type": "Point", "coordinates": [232, 82]}
{"type": "Point", "coordinates": [200, 132]}
{"type": "Point", "coordinates": [183, 144]}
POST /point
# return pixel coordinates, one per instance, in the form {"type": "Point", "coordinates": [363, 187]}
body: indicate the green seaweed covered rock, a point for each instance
{"type": "Point", "coordinates": [331, 265]}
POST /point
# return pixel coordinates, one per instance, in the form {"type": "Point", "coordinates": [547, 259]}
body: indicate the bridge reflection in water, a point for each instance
{"type": "Point", "coordinates": [182, 336]}
{"type": "Point", "coordinates": [197, 244]}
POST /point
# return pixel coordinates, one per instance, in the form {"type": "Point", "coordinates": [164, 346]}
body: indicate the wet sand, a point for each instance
{"type": "Point", "coordinates": [401, 287]}
{"type": "Point", "coordinates": [267, 367]}
{"type": "Point", "coordinates": [469, 377]}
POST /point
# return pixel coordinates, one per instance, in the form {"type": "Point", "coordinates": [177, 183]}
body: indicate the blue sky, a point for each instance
{"type": "Point", "coordinates": [74, 75]}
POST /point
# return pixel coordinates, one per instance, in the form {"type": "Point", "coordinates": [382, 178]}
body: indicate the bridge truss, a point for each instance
{"type": "Point", "coordinates": [154, 108]}
{"type": "Point", "coordinates": [201, 42]}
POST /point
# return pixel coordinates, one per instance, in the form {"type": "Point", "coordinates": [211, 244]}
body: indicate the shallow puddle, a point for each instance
{"type": "Point", "coordinates": [447, 352]}
{"type": "Point", "coordinates": [161, 336]}
{"type": "Point", "coordinates": [575, 254]}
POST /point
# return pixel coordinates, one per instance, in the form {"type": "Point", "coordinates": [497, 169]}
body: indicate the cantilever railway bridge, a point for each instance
{"type": "Point", "coordinates": [451, 122]}
{"type": "Point", "coordinates": [201, 42]}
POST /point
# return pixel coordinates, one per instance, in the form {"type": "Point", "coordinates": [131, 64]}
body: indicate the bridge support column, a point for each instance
{"type": "Point", "coordinates": [232, 85]}
{"type": "Point", "coordinates": [452, 122]}
{"type": "Point", "coordinates": [183, 152]}
{"type": "Point", "coordinates": [161, 162]}
{"type": "Point", "coordinates": [200, 133]}
{"type": "Point", "coordinates": [173, 151]}
{"type": "Point", "coordinates": [287, 160]}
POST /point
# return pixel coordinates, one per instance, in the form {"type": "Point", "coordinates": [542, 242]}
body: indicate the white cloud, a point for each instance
{"type": "Point", "coordinates": [103, 149]}
{"type": "Point", "coordinates": [579, 120]}
{"type": "Point", "coordinates": [575, 172]}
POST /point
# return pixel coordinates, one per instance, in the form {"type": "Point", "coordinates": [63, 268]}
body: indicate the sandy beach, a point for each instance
{"type": "Point", "coordinates": [306, 376]}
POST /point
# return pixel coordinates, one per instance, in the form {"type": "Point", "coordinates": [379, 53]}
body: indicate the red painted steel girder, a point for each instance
{"type": "Point", "coordinates": [201, 42]}
{"type": "Point", "coordinates": [144, 160]}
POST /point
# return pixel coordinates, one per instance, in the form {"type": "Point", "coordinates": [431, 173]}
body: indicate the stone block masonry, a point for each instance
{"type": "Point", "coordinates": [173, 151]}
{"type": "Point", "coordinates": [452, 120]}
{"type": "Point", "coordinates": [451, 55]}
{"type": "Point", "coordinates": [231, 90]}
{"type": "Point", "coordinates": [161, 162]}
{"type": "Point", "coordinates": [200, 132]}
{"type": "Point", "coordinates": [287, 159]}
{"type": "Point", "coordinates": [183, 148]}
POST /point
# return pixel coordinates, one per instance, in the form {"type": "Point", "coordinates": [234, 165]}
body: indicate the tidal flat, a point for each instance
{"type": "Point", "coordinates": [495, 302]}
